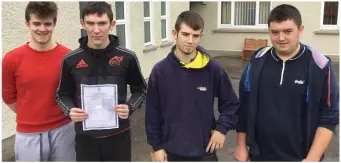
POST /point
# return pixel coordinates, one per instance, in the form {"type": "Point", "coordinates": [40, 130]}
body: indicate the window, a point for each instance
{"type": "Point", "coordinates": [245, 14]}
{"type": "Point", "coordinates": [81, 5]}
{"type": "Point", "coordinates": [121, 22]}
{"type": "Point", "coordinates": [330, 14]}
{"type": "Point", "coordinates": [148, 23]}
{"type": "Point", "coordinates": [164, 20]}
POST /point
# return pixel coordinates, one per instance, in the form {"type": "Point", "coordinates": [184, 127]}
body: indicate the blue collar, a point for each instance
{"type": "Point", "coordinates": [299, 54]}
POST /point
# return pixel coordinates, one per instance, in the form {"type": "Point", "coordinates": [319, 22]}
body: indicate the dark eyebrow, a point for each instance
{"type": "Point", "coordinates": [288, 29]}
{"type": "Point", "coordinates": [97, 22]}
{"type": "Point", "coordinates": [184, 33]}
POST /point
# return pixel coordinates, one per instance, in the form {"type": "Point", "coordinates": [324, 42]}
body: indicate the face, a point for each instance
{"type": "Point", "coordinates": [285, 36]}
{"type": "Point", "coordinates": [187, 39]}
{"type": "Point", "coordinates": [97, 27]}
{"type": "Point", "coordinates": [40, 28]}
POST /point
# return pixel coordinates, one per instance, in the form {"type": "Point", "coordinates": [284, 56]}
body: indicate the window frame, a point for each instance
{"type": "Point", "coordinates": [256, 26]}
{"type": "Point", "coordinates": [82, 30]}
{"type": "Point", "coordinates": [125, 22]}
{"type": "Point", "coordinates": [151, 22]}
{"type": "Point", "coordinates": [167, 18]}
{"type": "Point", "coordinates": [322, 26]}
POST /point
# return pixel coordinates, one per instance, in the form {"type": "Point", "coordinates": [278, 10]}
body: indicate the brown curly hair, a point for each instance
{"type": "Point", "coordinates": [42, 10]}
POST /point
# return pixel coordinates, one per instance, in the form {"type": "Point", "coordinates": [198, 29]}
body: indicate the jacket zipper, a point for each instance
{"type": "Point", "coordinates": [282, 73]}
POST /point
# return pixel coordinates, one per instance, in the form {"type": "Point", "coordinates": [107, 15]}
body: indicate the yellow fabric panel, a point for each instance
{"type": "Point", "coordinates": [200, 61]}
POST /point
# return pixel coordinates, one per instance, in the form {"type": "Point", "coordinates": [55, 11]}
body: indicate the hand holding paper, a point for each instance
{"type": "Point", "coordinates": [122, 111]}
{"type": "Point", "coordinates": [77, 114]}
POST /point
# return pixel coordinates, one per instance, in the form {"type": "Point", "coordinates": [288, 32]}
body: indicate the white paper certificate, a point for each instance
{"type": "Point", "coordinates": [99, 102]}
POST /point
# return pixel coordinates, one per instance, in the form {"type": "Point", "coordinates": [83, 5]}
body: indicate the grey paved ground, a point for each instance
{"type": "Point", "coordinates": [234, 68]}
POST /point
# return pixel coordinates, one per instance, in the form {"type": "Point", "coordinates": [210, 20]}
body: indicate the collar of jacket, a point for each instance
{"type": "Point", "coordinates": [176, 61]}
{"type": "Point", "coordinates": [114, 42]}
{"type": "Point", "coordinates": [299, 53]}
{"type": "Point", "coordinates": [321, 60]}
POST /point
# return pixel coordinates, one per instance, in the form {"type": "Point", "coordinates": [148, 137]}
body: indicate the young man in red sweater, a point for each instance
{"type": "Point", "coordinates": [30, 76]}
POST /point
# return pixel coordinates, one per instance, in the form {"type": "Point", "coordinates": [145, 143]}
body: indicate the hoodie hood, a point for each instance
{"type": "Point", "coordinates": [200, 61]}
{"type": "Point", "coordinates": [114, 42]}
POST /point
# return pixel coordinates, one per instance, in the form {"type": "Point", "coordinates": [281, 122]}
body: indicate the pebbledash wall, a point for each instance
{"type": "Point", "coordinates": [162, 18]}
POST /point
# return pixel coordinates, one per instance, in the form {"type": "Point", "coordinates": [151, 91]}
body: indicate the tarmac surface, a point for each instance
{"type": "Point", "coordinates": [140, 149]}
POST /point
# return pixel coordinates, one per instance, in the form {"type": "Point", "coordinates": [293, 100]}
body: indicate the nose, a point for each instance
{"type": "Point", "coordinates": [42, 28]}
{"type": "Point", "coordinates": [281, 36]}
{"type": "Point", "coordinates": [96, 28]}
{"type": "Point", "coordinates": [190, 39]}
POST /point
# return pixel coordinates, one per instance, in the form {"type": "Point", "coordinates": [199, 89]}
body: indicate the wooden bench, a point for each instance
{"type": "Point", "coordinates": [251, 45]}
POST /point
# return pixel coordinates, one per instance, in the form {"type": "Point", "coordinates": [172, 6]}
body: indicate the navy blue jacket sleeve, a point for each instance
{"type": "Point", "coordinates": [242, 111]}
{"type": "Point", "coordinates": [153, 118]}
{"type": "Point", "coordinates": [228, 104]}
{"type": "Point", "coordinates": [329, 103]}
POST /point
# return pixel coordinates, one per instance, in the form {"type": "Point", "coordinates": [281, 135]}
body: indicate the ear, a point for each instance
{"type": "Point", "coordinates": [175, 34]}
{"type": "Point", "coordinates": [202, 34]}
{"type": "Point", "coordinates": [82, 23]}
{"type": "Point", "coordinates": [112, 25]}
{"type": "Point", "coordinates": [27, 24]}
{"type": "Point", "coordinates": [301, 29]}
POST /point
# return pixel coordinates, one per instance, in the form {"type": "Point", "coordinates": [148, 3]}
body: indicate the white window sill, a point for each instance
{"type": "Point", "coordinates": [149, 48]}
{"type": "Point", "coordinates": [240, 30]}
{"type": "Point", "coordinates": [327, 32]}
{"type": "Point", "coordinates": [166, 43]}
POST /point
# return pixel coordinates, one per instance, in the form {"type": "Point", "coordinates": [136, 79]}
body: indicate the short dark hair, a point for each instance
{"type": "Point", "coordinates": [285, 12]}
{"type": "Point", "coordinates": [190, 18]}
{"type": "Point", "coordinates": [42, 10]}
{"type": "Point", "coordinates": [99, 8]}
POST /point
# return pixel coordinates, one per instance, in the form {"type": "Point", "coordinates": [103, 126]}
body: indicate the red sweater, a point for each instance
{"type": "Point", "coordinates": [30, 79]}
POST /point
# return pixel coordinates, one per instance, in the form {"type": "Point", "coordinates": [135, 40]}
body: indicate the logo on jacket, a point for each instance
{"type": "Point", "coordinates": [299, 81]}
{"type": "Point", "coordinates": [202, 89]}
{"type": "Point", "coordinates": [81, 64]}
{"type": "Point", "coordinates": [116, 61]}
